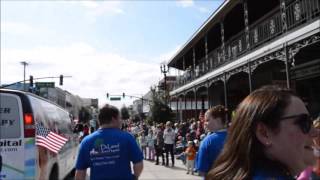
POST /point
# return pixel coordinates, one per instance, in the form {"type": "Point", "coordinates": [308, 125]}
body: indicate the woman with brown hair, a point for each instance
{"type": "Point", "coordinates": [210, 147]}
{"type": "Point", "coordinates": [270, 138]}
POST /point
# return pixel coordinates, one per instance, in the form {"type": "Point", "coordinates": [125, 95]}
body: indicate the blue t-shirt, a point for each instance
{"type": "Point", "coordinates": [264, 168]}
{"type": "Point", "coordinates": [209, 150]}
{"type": "Point", "coordinates": [262, 174]}
{"type": "Point", "coordinates": [108, 153]}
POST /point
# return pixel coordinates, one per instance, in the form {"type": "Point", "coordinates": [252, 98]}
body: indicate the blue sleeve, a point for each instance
{"type": "Point", "coordinates": [135, 154]}
{"type": "Point", "coordinates": [83, 157]}
{"type": "Point", "coordinates": [217, 144]}
{"type": "Point", "coordinates": [209, 151]}
{"type": "Point", "coordinates": [203, 162]}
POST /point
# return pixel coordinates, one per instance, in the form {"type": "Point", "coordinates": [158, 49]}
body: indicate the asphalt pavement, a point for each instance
{"type": "Point", "coordinates": [159, 172]}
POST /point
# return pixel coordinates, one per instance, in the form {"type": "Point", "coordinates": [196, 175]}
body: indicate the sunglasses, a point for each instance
{"type": "Point", "coordinates": [304, 121]}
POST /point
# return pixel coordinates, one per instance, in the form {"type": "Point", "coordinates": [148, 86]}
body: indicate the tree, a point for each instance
{"type": "Point", "coordinates": [160, 112]}
{"type": "Point", "coordinates": [124, 113]}
{"type": "Point", "coordinates": [84, 115]}
{"type": "Point", "coordinates": [136, 118]}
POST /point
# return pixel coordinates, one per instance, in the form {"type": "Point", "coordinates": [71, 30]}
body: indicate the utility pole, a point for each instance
{"type": "Point", "coordinates": [164, 69]}
{"type": "Point", "coordinates": [24, 63]}
{"type": "Point", "coordinates": [142, 106]}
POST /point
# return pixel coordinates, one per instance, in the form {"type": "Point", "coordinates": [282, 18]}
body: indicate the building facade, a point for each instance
{"type": "Point", "coordinates": [244, 45]}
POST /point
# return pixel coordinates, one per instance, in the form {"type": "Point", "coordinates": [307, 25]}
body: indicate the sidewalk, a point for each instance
{"type": "Point", "coordinates": [159, 172]}
{"type": "Point", "coordinates": [152, 171]}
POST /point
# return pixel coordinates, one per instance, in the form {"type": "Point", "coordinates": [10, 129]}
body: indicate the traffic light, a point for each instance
{"type": "Point", "coordinates": [123, 95]}
{"type": "Point", "coordinates": [61, 80]}
{"type": "Point", "coordinates": [107, 95]}
{"type": "Point", "coordinates": [31, 81]}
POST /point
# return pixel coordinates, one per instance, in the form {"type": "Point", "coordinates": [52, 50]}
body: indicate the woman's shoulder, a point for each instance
{"type": "Point", "coordinates": [214, 136]}
{"type": "Point", "coordinates": [270, 172]}
{"type": "Point", "coordinates": [260, 175]}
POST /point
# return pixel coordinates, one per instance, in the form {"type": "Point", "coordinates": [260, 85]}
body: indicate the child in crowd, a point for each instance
{"type": "Point", "coordinates": [191, 154]}
{"type": "Point", "coordinates": [150, 142]}
{"type": "Point", "coordinates": [180, 148]}
{"type": "Point", "coordinates": [143, 144]}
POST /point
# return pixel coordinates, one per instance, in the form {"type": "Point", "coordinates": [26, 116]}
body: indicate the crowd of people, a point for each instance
{"type": "Point", "coordinates": [269, 136]}
{"type": "Point", "coordinates": [182, 140]}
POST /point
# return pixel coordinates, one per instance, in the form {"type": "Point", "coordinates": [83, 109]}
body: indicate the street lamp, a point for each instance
{"type": "Point", "coordinates": [164, 69]}
{"type": "Point", "coordinates": [24, 63]}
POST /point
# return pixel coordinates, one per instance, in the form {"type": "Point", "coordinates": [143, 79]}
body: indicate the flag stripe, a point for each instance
{"type": "Point", "coordinates": [53, 143]}
{"type": "Point", "coordinates": [58, 136]}
{"type": "Point", "coordinates": [49, 144]}
{"type": "Point", "coordinates": [55, 138]}
{"type": "Point", "coordinates": [57, 143]}
{"type": "Point", "coordinates": [48, 139]}
{"type": "Point", "coordinates": [45, 146]}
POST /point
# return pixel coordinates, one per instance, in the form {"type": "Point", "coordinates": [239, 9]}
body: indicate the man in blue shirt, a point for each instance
{"type": "Point", "coordinates": [109, 151]}
{"type": "Point", "coordinates": [211, 146]}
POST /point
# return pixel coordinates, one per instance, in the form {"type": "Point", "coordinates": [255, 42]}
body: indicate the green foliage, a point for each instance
{"type": "Point", "coordinates": [149, 121]}
{"type": "Point", "coordinates": [124, 113]}
{"type": "Point", "coordinates": [160, 112]}
{"type": "Point", "coordinates": [136, 118]}
{"type": "Point", "coordinates": [84, 115]}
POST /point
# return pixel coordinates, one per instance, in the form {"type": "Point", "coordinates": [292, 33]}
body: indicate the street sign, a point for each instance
{"type": "Point", "coordinates": [45, 84]}
{"type": "Point", "coordinates": [115, 98]}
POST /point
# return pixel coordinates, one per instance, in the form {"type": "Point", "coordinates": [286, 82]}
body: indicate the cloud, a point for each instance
{"type": "Point", "coordinates": [203, 10]}
{"type": "Point", "coordinates": [89, 4]}
{"type": "Point", "coordinates": [16, 28]}
{"type": "Point", "coordinates": [93, 73]}
{"type": "Point", "coordinates": [95, 9]}
{"type": "Point", "coordinates": [165, 57]}
{"type": "Point", "coordinates": [185, 3]}
{"type": "Point", "coordinates": [191, 4]}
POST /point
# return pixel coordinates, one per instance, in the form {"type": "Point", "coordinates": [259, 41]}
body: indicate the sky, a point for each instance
{"type": "Point", "coordinates": [110, 47]}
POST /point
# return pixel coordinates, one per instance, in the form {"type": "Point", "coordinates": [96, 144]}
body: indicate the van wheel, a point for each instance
{"type": "Point", "coordinates": [54, 173]}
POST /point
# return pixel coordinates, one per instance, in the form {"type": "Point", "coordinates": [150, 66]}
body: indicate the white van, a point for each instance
{"type": "Point", "coordinates": [20, 157]}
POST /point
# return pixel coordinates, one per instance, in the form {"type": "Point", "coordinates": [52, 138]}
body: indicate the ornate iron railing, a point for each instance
{"type": "Point", "coordinates": [235, 47]}
{"type": "Point", "coordinates": [297, 13]}
{"type": "Point", "coordinates": [268, 29]}
{"type": "Point", "coordinates": [300, 11]}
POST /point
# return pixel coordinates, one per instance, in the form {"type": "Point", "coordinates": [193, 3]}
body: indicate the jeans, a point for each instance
{"type": "Point", "coordinates": [159, 152]}
{"type": "Point", "coordinates": [151, 153]}
{"type": "Point", "coordinates": [169, 148]}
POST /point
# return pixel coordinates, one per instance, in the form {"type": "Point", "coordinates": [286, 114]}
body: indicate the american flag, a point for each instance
{"type": "Point", "coordinates": [48, 139]}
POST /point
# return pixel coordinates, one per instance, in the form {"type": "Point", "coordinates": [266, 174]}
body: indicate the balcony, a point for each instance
{"type": "Point", "coordinates": [298, 13]}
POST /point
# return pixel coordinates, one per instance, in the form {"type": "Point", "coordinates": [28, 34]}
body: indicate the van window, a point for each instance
{"type": "Point", "coordinates": [10, 122]}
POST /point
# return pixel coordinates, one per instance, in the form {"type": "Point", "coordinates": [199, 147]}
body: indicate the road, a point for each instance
{"type": "Point", "coordinates": [158, 172]}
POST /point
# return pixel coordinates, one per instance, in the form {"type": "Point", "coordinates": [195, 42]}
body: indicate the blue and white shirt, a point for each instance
{"type": "Point", "coordinates": [108, 153]}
